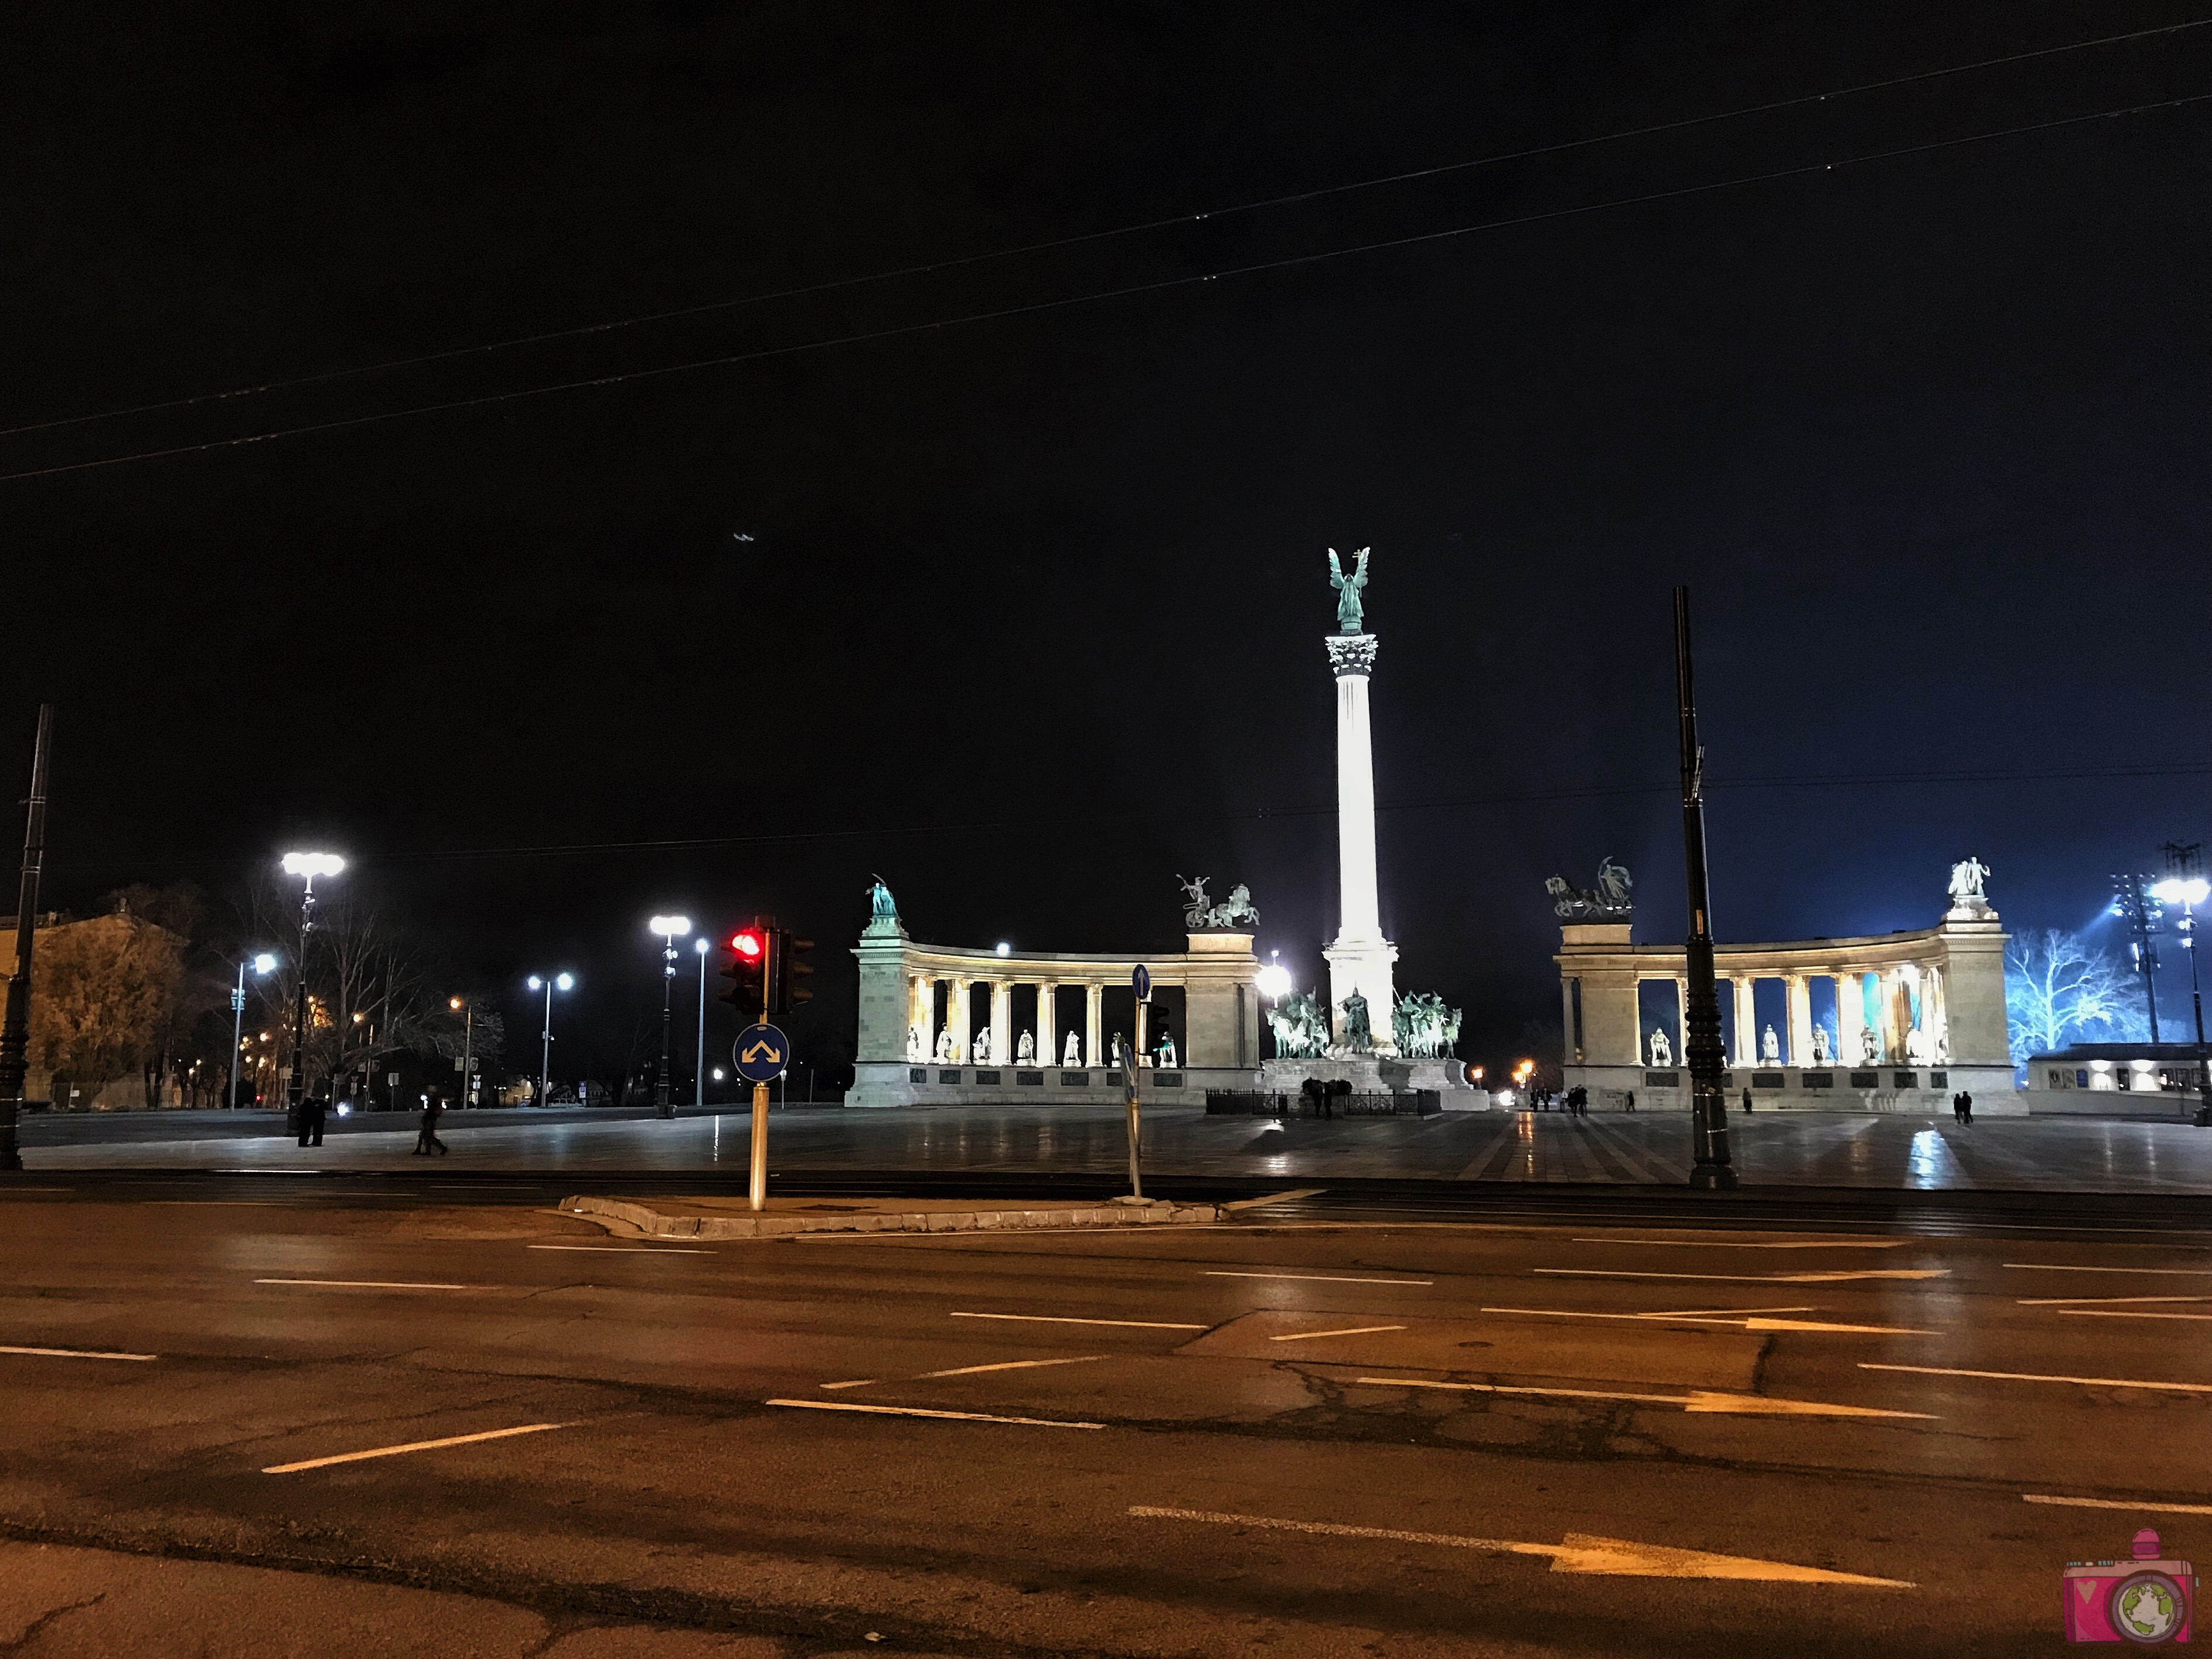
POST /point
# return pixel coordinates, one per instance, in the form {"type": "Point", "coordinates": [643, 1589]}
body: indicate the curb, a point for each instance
{"type": "Point", "coordinates": [635, 1220]}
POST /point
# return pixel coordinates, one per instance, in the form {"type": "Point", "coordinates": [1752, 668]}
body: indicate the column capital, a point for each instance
{"type": "Point", "coordinates": [1351, 654]}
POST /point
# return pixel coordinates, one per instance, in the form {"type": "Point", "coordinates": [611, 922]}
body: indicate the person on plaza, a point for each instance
{"type": "Point", "coordinates": [1747, 1103]}
{"type": "Point", "coordinates": [1966, 1108]}
{"type": "Point", "coordinates": [426, 1139]}
{"type": "Point", "coordinates": [312, 1108]}
{"type": "Point", "coordinates": [1631, 1100]}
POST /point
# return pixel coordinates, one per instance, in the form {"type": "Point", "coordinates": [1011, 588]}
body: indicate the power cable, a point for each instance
{"type": "Point", "coordinates": [1130, 290]}
{"type": "Point", "coordinates": [1139, 228]}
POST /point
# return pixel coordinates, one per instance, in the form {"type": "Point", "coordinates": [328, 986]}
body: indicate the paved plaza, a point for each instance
{"type": "Point", "coordinates": [1882, 1151]}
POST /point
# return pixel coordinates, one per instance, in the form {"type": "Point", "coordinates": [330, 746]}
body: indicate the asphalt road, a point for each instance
{"type": "Point", "coordinates": [1414, 1434]}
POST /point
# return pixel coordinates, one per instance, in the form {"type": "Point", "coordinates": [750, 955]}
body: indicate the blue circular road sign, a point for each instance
{"type": "Point", "coordinates": [760, 1053]}
{"type": "Point", "coordinates": [1142, 980]}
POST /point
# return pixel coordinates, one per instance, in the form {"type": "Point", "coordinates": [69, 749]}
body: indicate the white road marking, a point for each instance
{"type": "Point", "coordinates": [1742, 1405]}
{"type": "Point", "coordinates": [2076, 1301]}
{"type": "Point", "coordinates": [1063, 1318]}
{"type": "Point", "coordinates": [2069, 1267]}
{"type": "Point", "coordinates": [626, 1249]}
{"type": "Point", "coordinates": [1753, 1279]}
{"type": "Point", "coordinates": [376, 1284]}
{"type": "Point", "coordinates": [1015, 1365]}
{"type": "Point", "coordinates": [1233, 1204]}
{"type": "Point", "coordinates": [1356, 1330]}
{"type": "Point", "coordinates": [2117, 1504]}
{"type": "Point", "coordinates": [1577, 1553]}
{"type": "Point", "coordinates": [861, 1383]}
{"type": "Point", "coordinates": [2032, 1376]}
{"type": "Point", "coordinates": [412, 1446]}
{"type": "Point", "coordinates": [1317, 1278]}
{"type": "Point", "coordinates": [916, 1411]}
{"type": "Point", "coordinates": [2118, 1313]}
{"type": "Point", "coordinates": [77, 1353]}
{"type": "Point", "coordinates": [1749, 1320]}
{"type": "Point", "coordinates": [1732, 1244]}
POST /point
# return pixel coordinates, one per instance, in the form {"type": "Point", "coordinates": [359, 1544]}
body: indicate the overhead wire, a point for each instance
{"type": "Point", "coordinates": [1125, 291]}
{"type": "Point", "coordinates": [1080, 239]}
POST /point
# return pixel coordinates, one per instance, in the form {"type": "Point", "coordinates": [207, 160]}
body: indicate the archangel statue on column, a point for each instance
{"type": "Point", "coordinates": [1350, 616]}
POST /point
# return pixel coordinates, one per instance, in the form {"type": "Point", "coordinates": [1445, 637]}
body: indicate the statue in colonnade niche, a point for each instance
{"type": "Point", "coordinates": [1769, 1047]}
{"type": "Point", "coordinates": [1072, 1055]}
{"type": "Point", "coordinates": [1025, 1049]}
{"type": "Point", "coordinates": [1350, 615]}
{"type": "Point", "coordinates": [1943, 1047]}
{"type": "Point", "coordinates": [1870, 1045]}
{"type": "Point", "coordinates": [944, 1046]}
{"type": "Point", "coordinates": [1359, 1030]}
{"type": "Point", "coordinates": [1301, 1030]}
{"type": "Point", "coordinates": [981, 1049]}
{"type": "Point", "coordinates": [1163, 1057]}
{"type": "Point", "coordinates": [914, 1049]}
{"type": "Point", "coordinates": [1662, 1051]}
{"type": "Point", "coordinates": [1915, 1046]}
{"type": "Point", "coordinates": [1820, 1045]}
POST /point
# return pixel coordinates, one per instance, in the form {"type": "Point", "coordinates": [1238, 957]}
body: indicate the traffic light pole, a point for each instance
{"type": "Point", "coordinates": [757, 1185]}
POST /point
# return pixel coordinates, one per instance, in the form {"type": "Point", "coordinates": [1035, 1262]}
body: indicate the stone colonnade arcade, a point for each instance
{"type": "Point", "coordinates": [906, 1056]}
{"type": "Point", "coordinates": [1915, 1016]}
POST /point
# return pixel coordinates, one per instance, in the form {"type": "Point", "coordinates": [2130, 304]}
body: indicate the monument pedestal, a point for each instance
{"type": "Point", "coordinates": [1368, 1075]}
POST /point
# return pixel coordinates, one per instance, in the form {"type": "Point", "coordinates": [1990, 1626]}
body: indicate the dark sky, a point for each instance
{"type": "Point", "coordinates": [1026, 613]}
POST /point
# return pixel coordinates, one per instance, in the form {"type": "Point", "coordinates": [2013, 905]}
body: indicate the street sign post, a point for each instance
{"type": "Point", "coordinates": [760, 1054]}
{"type": "Point", "coordinates": [1141, 982]}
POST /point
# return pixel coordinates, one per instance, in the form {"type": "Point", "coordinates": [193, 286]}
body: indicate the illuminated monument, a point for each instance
{"type": "Point", "coordinates": [1359, 961]}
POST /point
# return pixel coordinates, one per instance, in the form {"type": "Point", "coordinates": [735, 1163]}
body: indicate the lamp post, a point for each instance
{"type": "Point", "coordinates": [2138, 906]}
{"type": "Point", "coordinates": [558, 982]}
{"type": "Point", "coordinates": [260, 964]}
{"type": "Point", "coordinates": [671, 928]}
{"type": "Point", "coordinates": [466, 1008]}
{"type": "Point", "coordinates": [2188, 889]}
{"type": "Point", "coordinates": [699, 1070]}
{"type": "Point", "coordinates": [1701, 1019]}
{"type": "Point", "coordinates": [308, 866]}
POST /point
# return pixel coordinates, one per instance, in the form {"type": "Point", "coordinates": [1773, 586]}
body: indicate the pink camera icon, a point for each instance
{"type": "Point", "coordinates": [2146, 1601]}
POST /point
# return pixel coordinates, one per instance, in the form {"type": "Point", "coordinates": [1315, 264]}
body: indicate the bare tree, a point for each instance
{"type": "Point", "coordinates": [106, 988]}
{"type": "Point", "coordinates": [2058, 988]}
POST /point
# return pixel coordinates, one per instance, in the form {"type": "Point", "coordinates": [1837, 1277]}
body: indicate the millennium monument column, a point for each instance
{"type": "Point", "coordinates": [1359, 961]}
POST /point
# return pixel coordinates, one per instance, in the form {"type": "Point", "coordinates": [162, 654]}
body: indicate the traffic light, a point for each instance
{"type": "Point", "coordinates": [787, 971]}
{"type": "Point", "coordinates": [749, 953]}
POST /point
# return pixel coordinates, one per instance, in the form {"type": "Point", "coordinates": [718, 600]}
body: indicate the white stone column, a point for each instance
{"type": "Point", "coordinates": [1746, 1022]}
{"type": "Point", "coordinates": [1094, 1009]}
{"type": "Point", "coordinates": [1048, 1039]}
{"type": "Point", "coordinates": [920, 1012]}
{"type": "Point", "coordinates": [1799, 1001]}
{"type": "Point", "coordinates": [1002, 1023]}
{"type": "Point", "coordinates": [1360, 960]}
{"type": "Point", "coordinates": [955, 1016]}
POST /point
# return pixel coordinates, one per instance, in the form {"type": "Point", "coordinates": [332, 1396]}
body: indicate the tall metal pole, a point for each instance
{"type": "Point", "coordinates": [2142, 917]}
{"type": "Point", "coordinates": [1701, 1019]}
{"type": "Point", "coordinates": [16, 1028]}
{"type": "Point", "coordinates": [469, 1053]}
{"type": "Point", "coordinates": [294, 1096]}
{"type": "Point", "coordinates": [664, 1103]}
{"type": "Point", "coordinates": [545, 1051]}
{"type": "Point", "coordinates": [699, 1077]}
{"type": "Point", "coordinates": [237, 1032]}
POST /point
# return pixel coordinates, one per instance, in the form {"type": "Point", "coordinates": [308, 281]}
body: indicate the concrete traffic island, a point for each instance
{"type": "Point", "coordinates": [732, 1217]}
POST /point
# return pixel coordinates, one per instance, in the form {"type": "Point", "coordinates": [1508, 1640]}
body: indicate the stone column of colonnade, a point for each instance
{"type": "Point", "coordinates": [1002, 1022]}
{"type": "Point", "coordinates": [1048, 1039]}
{"type": "Point", "coordinates": [1746, 1022]}
{"type": "Point", "coordinates": [1094, 1010]}
{"type": "Point", "coordinates": [1799, 1004]}
{"type": "Point", "coordinates": [921, 1011]}
{"type": "Point", "coordinates": [1851, 1018]}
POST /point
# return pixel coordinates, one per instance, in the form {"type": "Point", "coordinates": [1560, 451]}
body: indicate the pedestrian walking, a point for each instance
{"type": "Point", "coordinates": [1631, 1100]}
{"type": "Point", "coordinates": [1747, 1103]}
{"type": "Point", "coordinates": [1966, 1108]}
{"type": "Point", "coordinates": [311, 1121]}
{"type": "Point", "coordinates": [426, 1139]}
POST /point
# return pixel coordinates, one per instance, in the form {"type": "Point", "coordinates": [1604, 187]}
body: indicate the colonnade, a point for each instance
{"type": "Point", "coordinates": [1894, 1029]}
{"type": "Point", "coordinates": [923, 1030]}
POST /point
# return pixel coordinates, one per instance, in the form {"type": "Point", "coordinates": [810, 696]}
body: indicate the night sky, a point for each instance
{"type": "Point", "coordinates": [1025, 613]}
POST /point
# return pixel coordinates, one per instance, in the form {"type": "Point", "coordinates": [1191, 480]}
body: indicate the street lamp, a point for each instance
{"type": "Point", "coordinates": [558, 982]}
{"type": "Point", "coordinates": [260, 964]}
{"type": "Point", "coordinates": [671, 928]}
{"type": "Point", "coordinates": [699, 1070]}
{"type": "Point", "coordinates": [2189, 891]}
{"type": "Point", "coordinates": [467, 1007]}
{"type": "Point", "coordinates": [308, 866]}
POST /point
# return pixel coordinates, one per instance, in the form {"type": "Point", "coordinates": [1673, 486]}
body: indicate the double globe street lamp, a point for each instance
{"type": "Point", "coordinates": [558, 982]}
{"type": "Point", "coordinates": [671, 928]}
{"type": "Point", "coordinates": [308, 866]}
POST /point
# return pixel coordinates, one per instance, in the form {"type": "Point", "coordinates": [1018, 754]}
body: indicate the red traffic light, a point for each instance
{"type": "Point", "coordinates": [748, 942]}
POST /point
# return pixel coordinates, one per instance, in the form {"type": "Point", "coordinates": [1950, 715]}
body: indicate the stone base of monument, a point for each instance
{"type": "Point", "coordinates": [1887, 1087]}
{"type": "Point", "coordinates": [1233, 1103]}
{"type": "Point", "coordinates": [1373, 1075]}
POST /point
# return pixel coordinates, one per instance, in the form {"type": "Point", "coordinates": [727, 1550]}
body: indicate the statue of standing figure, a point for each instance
{"type": "Point", "coordinates": [945, 1046]}
{"type": "Point", "coordinates": [1025, 1050]}
{"type": "Point", "coordinates": [1769, 1047]}
{"type": "Point", "coordinates": [1072, 1055]}
{"type": "Point", "coordinates": [1358, 1031]}
{"type": "Point", "coordinates": [1869, 1046]}
{"type": "Point", "coordinates": [1350, 615]}
{"type": "Point", "coordinates": [915, 1050]}
{"type": "Point", "coordinates": [1968, 875]}
{"type": "Point", "coordinates": [1820, 1045]}
{"type": "Point", "coordinates": [1662, 1051]}
{"type": "Point", "coordinates": [880, 902]}
{"type": "Point", "coordinates": [1163, 1057]}
{"type": "Point", "coordinates": [981, 1049]}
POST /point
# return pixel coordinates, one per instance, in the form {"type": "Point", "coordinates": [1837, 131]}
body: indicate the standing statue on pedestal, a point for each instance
{"type": "Point", "coordinates": [1870, 1045]}
{"type": "Point", "coordinates": [1662, 1051]}
{"type": "Point", "coordinates": [1351, 617]}
{"type": "Point", "coordinates": [1072, 1055]}
{"type": "Point", "coordinates": [1163, 1057]}
{"type": "Point", "coordinates": [1025, 1050]}
{"type": "Point", "coordinates": [1769, 1047]}
{"type": "Point", "coordinates": [944, 1046]}
{"type": "Point", "coordinates": [915, 1050]}
{"type": "Point", "coordinates": [1915, 1046]}
{"type": "Point", "coordinates": [880, 902]}
{"type": "Point", "coordinates": [1358, 1031]}
{"type": "Point", "coordinates": [1820, 1056]}
{"type": "Point", "coordinates": [981, 1049]}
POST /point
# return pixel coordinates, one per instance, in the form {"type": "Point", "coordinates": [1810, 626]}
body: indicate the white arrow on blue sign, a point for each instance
{"type": "Point", "coordinates": [760, 1053]}
{"type": "Point", "coordinates": [1142, 982]}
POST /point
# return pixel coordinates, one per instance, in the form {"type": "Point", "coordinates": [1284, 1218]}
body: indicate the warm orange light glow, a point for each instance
{"type": "Point", "coordinates": [453, 1003]}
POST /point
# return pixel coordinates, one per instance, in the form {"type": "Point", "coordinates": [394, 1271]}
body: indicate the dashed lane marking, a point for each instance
{"type": "Point", "coordinates": [2117, 1504]}
{"type": "Point", "coordinates": [2069, 1268]}
{"type": "Point", "coordinates": [2123, 1313]}
{"type": "Point", "coordinates": [1315, 1336]}
{"type": "Point", "coordinates": [375, 1285]}
{"type": "Point", "coordinates": [76, 1353]}
{"type": "Point", "coordinates": [917, 1411]}
{"type": "Point", "coordinates": [1740, 1405]}
{"type": "Point", "coordinates": [1064, 1319]}
{"type": "Point", "coordinates": [1576, 1553]}
{"type": "Point", "coordinates": [1827, 1277]}
{"type": "Point", "coordinates": [2078, 1301]}
{"type": "Point", "coordinates": [1732, 1244]}
{"type": "Point", "coordinates": [411, 1446]}
{"type": "Point", "coordinates": [1015, 1365]}
{"type": "Point", "coordinates": [627, 1249]}
{"type": "Point", "coordinates": [2034, 1376]}
{"type": "Point", "coordinates": [1316, 1279]}
{"type": "Point", "coordinates": [858, 1382]}
{"type": "Point", "coordinates": [1753, 1320]}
